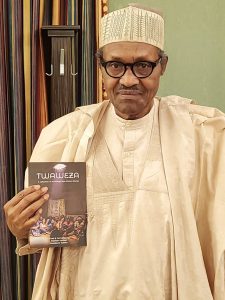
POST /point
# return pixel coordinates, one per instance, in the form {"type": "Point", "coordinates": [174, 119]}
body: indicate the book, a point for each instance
{"type": "Point", "coordinates": [64, 217]}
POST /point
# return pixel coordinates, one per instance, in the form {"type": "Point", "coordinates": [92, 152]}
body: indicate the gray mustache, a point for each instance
{"type": "Point", "coordinates": [131, 88]}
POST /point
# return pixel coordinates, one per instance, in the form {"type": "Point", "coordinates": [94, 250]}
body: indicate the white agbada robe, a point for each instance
{"type": "Point", "coordinates": [133, 224]}
{"type": "Point", "coordinates": [171, 248]}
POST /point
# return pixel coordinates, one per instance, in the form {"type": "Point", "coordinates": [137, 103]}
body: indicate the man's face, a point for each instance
{"type": "Point", "coordinates": [132, 97]}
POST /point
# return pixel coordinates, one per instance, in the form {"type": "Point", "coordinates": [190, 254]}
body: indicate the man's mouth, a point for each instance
{"type": "Point", "coordinates": [129, 92]}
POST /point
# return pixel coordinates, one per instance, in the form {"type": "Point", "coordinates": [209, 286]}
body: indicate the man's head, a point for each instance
{"type": "Point", "coordinates": [132, 59]}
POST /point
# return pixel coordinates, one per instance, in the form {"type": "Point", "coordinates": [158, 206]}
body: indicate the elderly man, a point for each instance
{"type": "Point", "coordinates": [155, 171]}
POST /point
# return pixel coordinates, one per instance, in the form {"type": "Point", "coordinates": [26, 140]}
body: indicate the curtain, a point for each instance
{"type": "Point", "coordinates": [101, 8]}
{"type": "Point", "coordinates": [87, 77]}
{"type": "Point", "coordinates": [6, 156]}
{"type": "Point", "coordinates": [24, 105]}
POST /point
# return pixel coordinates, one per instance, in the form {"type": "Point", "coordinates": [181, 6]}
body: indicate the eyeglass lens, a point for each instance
{"type": "Point", "coordinates": [140, 69]}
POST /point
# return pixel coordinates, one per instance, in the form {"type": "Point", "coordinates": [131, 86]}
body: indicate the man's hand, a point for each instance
{"type": "Point", "coordinates": [24, 210]}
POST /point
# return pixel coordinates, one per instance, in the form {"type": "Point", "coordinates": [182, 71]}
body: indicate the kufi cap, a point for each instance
{"type": "Point", "coordinates": [132, 24]}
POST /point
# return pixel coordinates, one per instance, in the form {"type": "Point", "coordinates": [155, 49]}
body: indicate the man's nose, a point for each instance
{"type": "Point", "coordinates": [129, 79]}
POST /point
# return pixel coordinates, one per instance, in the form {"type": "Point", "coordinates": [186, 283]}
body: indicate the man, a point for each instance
{"type": "Point", "coordinates": [155, 169]}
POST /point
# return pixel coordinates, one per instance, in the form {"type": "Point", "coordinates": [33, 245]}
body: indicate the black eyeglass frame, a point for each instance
{"type": "Point", "coordinates": [131, 65]}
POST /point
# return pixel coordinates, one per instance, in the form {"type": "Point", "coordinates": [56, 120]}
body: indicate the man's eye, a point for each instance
{"type": "Point", "coordinates": [142, 65]}
{"type": "Point", "coordinates": [115, 65]}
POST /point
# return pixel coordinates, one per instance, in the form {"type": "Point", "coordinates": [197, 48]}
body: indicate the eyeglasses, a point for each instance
{"type": "Point", "coordinates": [141, 69]}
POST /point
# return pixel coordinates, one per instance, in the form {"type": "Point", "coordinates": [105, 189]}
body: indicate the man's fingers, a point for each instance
{"type": "Point", "coordinates": [31, 210]}
{"type": "Point", "coordinates": [13, 211]}
{"type": "Point", "coordinates": [29, 199]}
{"type": "Point", "coordinates": [22, 231]}
{"type": "Point", "coordinates": [18, 197]}
{"type": "Point", "coordinates": [23, 210]}
{"type": "Point", "coordinates": [33, 220]}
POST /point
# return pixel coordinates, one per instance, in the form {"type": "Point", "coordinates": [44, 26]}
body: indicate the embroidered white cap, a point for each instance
{"type": "Point", "coordinates": [132, 24]}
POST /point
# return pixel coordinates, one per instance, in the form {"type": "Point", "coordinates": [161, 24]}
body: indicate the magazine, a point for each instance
{"type": "Point", "coordinates": [64, 217]}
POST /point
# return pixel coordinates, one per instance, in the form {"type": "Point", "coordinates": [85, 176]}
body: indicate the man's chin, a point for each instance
{"type": "Point", "coordinates": [128, 111]}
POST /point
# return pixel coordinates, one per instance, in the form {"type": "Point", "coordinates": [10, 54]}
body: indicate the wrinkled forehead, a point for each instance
{"type": "Point", "coordinates": [122, 51]}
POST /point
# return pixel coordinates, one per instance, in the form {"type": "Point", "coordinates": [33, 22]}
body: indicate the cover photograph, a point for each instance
{"type": "Point", "coordinates": [64, 217]}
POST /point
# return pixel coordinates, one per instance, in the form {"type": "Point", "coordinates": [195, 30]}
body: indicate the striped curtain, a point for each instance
{"type": "Point", "coordinates": [24, 105]}
{"type": "Point", "coordinates": [101, 8]}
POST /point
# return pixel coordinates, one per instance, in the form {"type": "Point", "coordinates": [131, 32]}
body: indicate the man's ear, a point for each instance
{"type": "Point", "coordinates": [164, 62]}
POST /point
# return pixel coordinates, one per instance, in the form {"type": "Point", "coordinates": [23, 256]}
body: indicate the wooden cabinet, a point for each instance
{"type": "Point", "coordinates": [61, 55]}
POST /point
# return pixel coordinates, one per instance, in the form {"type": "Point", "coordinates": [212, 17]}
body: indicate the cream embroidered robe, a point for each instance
{"type": "Point", "coordinates": [193, 148]}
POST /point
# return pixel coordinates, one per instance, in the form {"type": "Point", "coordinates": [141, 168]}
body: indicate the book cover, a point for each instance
{"type": "Point", "coordinates": [64, 218]}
